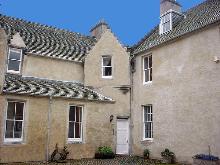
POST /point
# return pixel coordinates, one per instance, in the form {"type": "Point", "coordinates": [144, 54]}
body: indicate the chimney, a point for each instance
{"type": "Point", "coordinates": [99, 29]}
{"type": "Point", "coordinates": [167, 5]}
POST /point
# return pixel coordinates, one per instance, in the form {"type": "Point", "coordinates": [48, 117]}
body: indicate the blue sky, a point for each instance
{"type": "Point", "coordinates": [130, 20]}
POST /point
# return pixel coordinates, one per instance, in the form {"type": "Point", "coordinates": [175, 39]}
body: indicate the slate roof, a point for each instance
{"type": "Point", "coordinates": [16, 84]}
{"type": "Point", "coordinates": [48, 41]}
{"type": "Point", "coordinates": [196, 18]}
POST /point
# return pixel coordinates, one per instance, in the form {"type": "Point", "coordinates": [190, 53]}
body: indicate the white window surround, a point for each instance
{"type": "Point", "coordinates": [76, 140]}
{"type": "Point", "coordinates": [147, 69]}
{"type": "Point", "coordinates": [166, 24]}
{"type": "Point", "coordinates": [11, 59]}
{"type": "Point", "coordinates": [106, 66]}
{"type": "Point", "coordinates": [148, 121]}
{"type": "Point", "coordinates": [14, 140]}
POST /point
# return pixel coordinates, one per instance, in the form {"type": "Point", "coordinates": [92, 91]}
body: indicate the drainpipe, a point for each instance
{"type": "Point", "coordinates": [130, 104]}
{"type": "Point", "coordinates": [48, 128]}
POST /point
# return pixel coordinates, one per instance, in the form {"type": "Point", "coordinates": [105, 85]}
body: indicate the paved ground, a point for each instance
{"type": "Point", "coordinates": [117, 161]}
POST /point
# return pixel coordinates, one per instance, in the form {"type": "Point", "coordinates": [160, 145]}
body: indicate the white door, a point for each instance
{"type": "Point", "coordinates": [122, 137]}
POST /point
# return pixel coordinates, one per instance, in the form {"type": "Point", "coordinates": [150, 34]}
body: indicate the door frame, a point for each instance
{"type": "Point", "coordinates": [128, 134]}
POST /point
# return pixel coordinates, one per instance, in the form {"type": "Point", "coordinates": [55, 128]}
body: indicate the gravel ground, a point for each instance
{"type": "Point", "coordinates": [125, 160]}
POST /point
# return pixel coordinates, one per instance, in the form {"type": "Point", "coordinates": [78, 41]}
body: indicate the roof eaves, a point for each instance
{"type": "Point", "coordinates": [176, 37]}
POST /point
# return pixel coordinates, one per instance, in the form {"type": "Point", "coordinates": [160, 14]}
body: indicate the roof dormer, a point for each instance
{"type": "Point", "coordinates": [169, 11]}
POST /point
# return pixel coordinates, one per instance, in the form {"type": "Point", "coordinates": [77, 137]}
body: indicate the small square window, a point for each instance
{"type": "Point", "coordinates": [14, 60]}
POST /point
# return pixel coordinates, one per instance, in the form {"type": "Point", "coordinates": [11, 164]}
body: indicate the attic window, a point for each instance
{"type": "Point", "coordinates": [14, 60]}
{"type": "Point", "coordinates": [166, 22]}
{"type": "Point", "coordinates": [106, 67]}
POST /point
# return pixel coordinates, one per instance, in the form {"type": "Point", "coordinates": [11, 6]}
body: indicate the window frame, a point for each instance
{"type": "Point", "coordinates": [163, 22]}
{"type": "Point", "coordinates": [14, 140]}
{"type": "Point", "coordinates": [103, 76]}
{"type": "Point", "coordinates": [148, 69]}
{"type": "Point", "coordinates": [20, 61]}
{"type": "Point", "coordinates": [76, 140]}
{"type": "Point", "coordinates": [151, 113]}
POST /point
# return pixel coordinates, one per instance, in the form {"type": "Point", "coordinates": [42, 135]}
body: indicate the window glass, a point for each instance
{"type": "Point", "coordinates": [147, 68]}
{"type": "Point", "coordinates": [14, 60]}
{"type": "Point", "coordinates": [14, 121]}
{"type": "Point", "coordinates": [106, 61]}
{"type": "Point", "coordinates": [19, 111]}
{"type": "Point", "coordinates": [75, 123]}
{"type": "Point", "coordinates": [14, 65]}
{"type": "Point", "coordinates": [106, 66]}
{"type": "Point", "coordinates": [15, 55]}
{"type": "Point", "coordinates": [148, 122]}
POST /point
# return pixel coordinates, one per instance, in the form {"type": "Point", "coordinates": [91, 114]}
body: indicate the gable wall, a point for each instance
{"type": "Point", "coordinates": [109, 45]}
{"type": "Point", "coordinates": [185, 94]}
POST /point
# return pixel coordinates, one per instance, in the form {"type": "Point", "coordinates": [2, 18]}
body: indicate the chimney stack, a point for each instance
{"type": "Point", "coordinates": [99, 29]}
{"type": "Point", "coordinates": [166, 5]}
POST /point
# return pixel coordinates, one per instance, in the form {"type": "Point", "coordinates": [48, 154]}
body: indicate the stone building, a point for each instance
{"type": "Point", "coordinates": [65, 88]}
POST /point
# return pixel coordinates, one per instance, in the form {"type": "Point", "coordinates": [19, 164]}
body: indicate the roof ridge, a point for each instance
{"type": "Point", "coordinates": [145, 36]}
{"type": "Point", "coordinates": [44, 25]}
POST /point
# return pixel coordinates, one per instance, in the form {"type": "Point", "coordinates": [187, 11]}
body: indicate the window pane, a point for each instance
{"type": "Point", "coordinates": [72, 113]}
{"type": "Point", "coordinates": [18, 129]}
{"type": "Point", "coordinates": [107, 71]}
{"type": "Point", "coordinates": [150, 62]}
{"type": "Point", "coordinates": [146, 76]}
{"type": "Point", "coordinates": [11, 110]}
{"type": "Point", "coordinates": [71, 130]}
{"type": "Point", "coordinates": [107, 61]}
{"type": "Point", "coordinates": [151, 74]}
{"type": "Point", "coordinates": [147, 109]}
{"type": "Point", "coordinates": [13, 65]}
{"type": "Point", "coordinates": [9, 129]}
{"type": "Point", "coordinates": [19, 111]}
{"type": "Point", "coordinates": [146, 63]}
{"type": "Point", "coordinates": [77, 130]}
{"type": "Point", "coordinates": [77, 114]}
{"type": "Point", "coordinates": [15, 55]}
{"type": "Point", "coordinates": [145, 116]}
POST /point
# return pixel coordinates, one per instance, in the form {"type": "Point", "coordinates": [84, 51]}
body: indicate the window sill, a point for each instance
{"type": "Point", "coordinates": [147, 83]}
{"type": "Point", "coordinates": [74, 142]}
{"type": "Point", "coordinates": [12, 144]}
{"type": "Point", "coordinates": [14, 72]}
{"type": "Point", "coordinates": [107, 77]}
{"type": "Point", "coordinates": [150, 140]}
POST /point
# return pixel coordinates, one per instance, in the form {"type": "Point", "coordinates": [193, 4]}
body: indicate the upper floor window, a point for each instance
{"type": "Point", "coordinates": [75, 124]}
{"type": "Point", "coordinates": [148, 122]}
{"type": "Point", "coordinates": [14, 60]}
{"type": "Point", "coordinates": [147, 69]}
{"type": "Point", "coordinates": [106, 67]}
{"type": "Point", "coordinates": [166, 23]}
{"type": "Point", "coordinates": [14, 122]}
